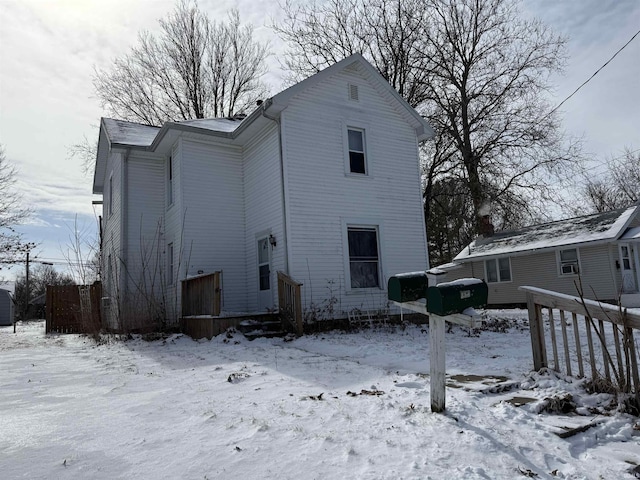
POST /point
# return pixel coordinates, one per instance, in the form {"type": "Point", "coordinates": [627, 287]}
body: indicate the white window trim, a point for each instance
{"type": "Point", "coordinates": [363, 223]}
{"type": "Point", "coordinates": [486, 275]}
{"type": "Point", "coordinates": [559, 263]}
{"type": "Point", "coordinates": [364, 128]}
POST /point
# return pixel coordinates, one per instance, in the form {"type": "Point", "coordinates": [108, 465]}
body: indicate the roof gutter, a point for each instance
{"type": "Point", "coordinates": [263, 111]}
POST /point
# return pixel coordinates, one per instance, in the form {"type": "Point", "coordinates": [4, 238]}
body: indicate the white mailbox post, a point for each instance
{"type": "Point", "coordinates": [437, 370]}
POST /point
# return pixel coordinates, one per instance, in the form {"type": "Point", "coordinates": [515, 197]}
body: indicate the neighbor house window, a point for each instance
{"type": "Point", "coordinates": [357, 153]}
{"type": "Point", "coordinates": [568, 261]}
{"type": "Point", "coordinates": [170, 181]}
{"type": "Point", "coordinates": [364, 259]}
{"type": "Point", "coordinates": [170, 264]}
{"type": "Point", "coordinates": [498, 270]}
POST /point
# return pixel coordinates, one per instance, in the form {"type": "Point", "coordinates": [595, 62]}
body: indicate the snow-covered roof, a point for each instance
{"type": "Point", "coordinates": [598, 227]}
{"type": "Point", "coordinates": [226, 125]}
{"type": "Point", "coordinates": [129, 133]}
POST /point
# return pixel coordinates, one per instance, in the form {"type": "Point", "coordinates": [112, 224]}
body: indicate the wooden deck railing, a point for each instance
{"type": "Point", "coordinates": [289, 301]}
{"type": "Point", "coordinates": [600, 332]}
{"type": "Point", "coordinates": [201, 295]}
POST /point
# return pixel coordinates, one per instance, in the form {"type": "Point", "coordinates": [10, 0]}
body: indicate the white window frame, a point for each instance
{"type": "Point", "coordinates": [497, 265]}
{"type": "Point", "coordinates": [560, 263]}
{"type": "Point", "coordinates": [347, 150]}
{"type": "Point", "coordinates": [363, 224]}
{"type": "Point", "coordinates": [170, 181]}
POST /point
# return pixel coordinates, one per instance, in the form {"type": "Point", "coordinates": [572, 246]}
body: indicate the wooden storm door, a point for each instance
{"type": "Point", "coordinates": [627, 268]}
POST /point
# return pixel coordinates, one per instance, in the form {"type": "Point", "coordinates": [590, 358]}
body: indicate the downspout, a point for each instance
{"type": "Point", "coordinates": [285, 229]}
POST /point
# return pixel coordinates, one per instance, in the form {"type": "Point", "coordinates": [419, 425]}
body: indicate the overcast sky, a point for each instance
{"type": "Point", "coordinates": [49, 48]}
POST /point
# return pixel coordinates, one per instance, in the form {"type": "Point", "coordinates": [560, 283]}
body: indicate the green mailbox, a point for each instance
{"type": "Point", "coordinates": [407, 287]}
{"type": "Point", "coordinates": [456, 296]}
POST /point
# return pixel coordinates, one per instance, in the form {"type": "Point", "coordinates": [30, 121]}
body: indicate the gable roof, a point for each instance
{"type": "Point", "coordinates": [423, 129]}
{"type": "Point", "coordinates": [130, 135]}
{"type": "Point", "coordinates": [588, 229]}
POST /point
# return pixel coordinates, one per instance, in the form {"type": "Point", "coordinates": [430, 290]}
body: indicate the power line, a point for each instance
{"type": "Point", "coordinates": [596, 72]}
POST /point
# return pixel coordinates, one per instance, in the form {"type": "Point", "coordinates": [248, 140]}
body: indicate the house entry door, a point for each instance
{"type": "Point", "coordinates": [265, 299]}
{"type": "Point", "coordinates": [627, 268]}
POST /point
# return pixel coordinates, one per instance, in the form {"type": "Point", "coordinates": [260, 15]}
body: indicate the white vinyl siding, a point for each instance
{"type": "Point", "coordinates": [145, 269]}
{"type": "Point", "coordinates": [323, 199]}
{"type": "Point", "coordinates": [264, 213]}
{"type": "Point", "coordinates": [213, 215]}
{"type": "Point", "coordinates": [540, 269]}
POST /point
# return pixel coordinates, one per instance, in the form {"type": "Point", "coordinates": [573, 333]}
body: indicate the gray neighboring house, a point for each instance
{"type": "Point", "coordinates": [6, 307]}
{"type": "Point", "coordinates": [602, 250]}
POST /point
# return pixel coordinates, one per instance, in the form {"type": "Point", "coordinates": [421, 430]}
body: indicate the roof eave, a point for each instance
{"type": "Point", "coordinates": [520, 253]}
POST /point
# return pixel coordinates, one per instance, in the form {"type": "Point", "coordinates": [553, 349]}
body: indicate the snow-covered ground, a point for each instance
{"type": "Point", "coordinates": [325, 406]}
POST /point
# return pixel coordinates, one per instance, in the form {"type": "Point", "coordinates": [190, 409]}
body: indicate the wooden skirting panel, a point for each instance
{"type": "Point", "coordinates": [208, 326]}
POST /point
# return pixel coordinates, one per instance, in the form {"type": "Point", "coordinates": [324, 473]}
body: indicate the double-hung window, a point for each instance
{"type": "Point", "coordinates": [568, 263]}
{"type": "Point", "coordinates": [498, 270]}
{"type": "Point", "coordinates": [357, 151]}
{"type": "Point", "coordinates": [364, 257]}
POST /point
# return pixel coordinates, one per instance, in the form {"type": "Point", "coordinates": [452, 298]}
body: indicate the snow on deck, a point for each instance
{"type": "Point", "coordinates": [590, 228]}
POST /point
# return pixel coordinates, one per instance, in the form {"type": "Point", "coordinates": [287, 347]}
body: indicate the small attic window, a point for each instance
{"type": "Point", "coordinates": [353, 93]}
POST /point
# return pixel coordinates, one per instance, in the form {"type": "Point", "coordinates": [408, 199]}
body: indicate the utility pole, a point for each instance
{"type": "Point", "coordinates": [27, 293]}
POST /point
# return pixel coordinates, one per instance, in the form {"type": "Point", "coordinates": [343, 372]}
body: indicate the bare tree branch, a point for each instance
{"type": "Point", "coordinates": [194, 68]}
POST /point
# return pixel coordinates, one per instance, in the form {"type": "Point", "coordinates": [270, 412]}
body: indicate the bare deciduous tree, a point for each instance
{"type": "Point", "coordinates": [194, 68]}
{"type": "Point", "coordinates": [619, 187]}
{"type": "Point", "coordinates": [12, 213]}
{"type": "Point", "coordinates": [475, 69]}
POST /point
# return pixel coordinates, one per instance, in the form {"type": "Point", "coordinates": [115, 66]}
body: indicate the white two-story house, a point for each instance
{"type": "Point", "coordinates": [321, 182]}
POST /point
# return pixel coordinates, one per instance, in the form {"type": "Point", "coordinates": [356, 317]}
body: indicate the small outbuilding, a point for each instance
{"type": "Point", "coordinates": [601, 251]}
{"type": "Point", "coordinates": [6, 308]}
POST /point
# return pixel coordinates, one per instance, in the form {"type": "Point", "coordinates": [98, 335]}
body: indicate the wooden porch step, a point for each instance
{"type": "Point", "coordinates": [253, 328]}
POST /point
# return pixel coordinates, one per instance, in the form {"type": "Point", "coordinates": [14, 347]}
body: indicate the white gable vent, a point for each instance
{"type": "Point", "coordinates": [353, 92]}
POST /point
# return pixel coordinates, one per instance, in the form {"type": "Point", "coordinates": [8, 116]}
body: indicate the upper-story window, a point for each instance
{"type": "Point", "coordinates": [568, 262]}
{"type": "Point", "coordinates": [110, 202]}
{"type": "Point", "coordinates": [170, 181]}
{"type": "Point", "coordinates": [357, 151]}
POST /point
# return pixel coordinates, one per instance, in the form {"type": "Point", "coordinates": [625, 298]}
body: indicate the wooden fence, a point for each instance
{"type": "Point", "coordinates": [73, 308]}
{"type": "Point", "coordinates": [290, 302]}
{"type": "Point", "coordinates": [201, 295]}
{"type": "Point", "coordinates": [584, 332]}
